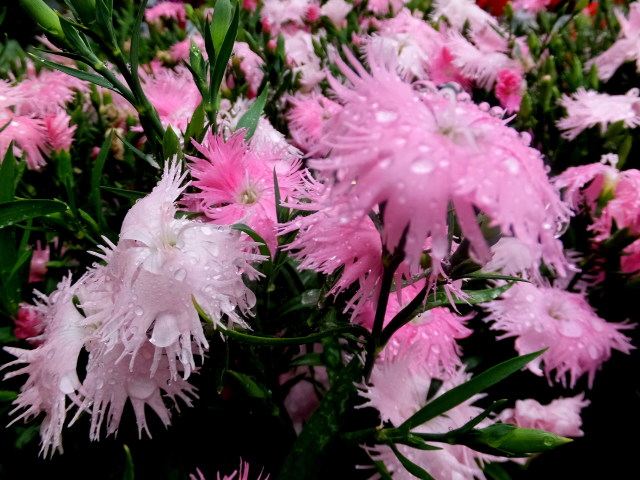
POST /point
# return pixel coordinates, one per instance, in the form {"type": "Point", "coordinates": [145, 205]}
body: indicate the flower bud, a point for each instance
{"type": "Point", "coordinates": [514, 441]}
{"type": "Point", "coordinates": [43, 15]}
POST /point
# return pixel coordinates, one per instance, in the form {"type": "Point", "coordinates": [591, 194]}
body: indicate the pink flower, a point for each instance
{"type": "Point", "coordinates": [59, 131]}
{"type": "Point", "coordinates": [308, 117]}
{"type": "Point", "coordinates": [29, 136]}
{"type": "Point", "coordinates": [47, 92]}
{"type": "Point", "coordinates": [39, 258]}
{"type": "Point", "coordinates": [531, 6]}
{"type": "Point", "coordinates": [384, 7]}
{"type": "Point", "coordinates": [278, 13]}
{"type": "Point", "coordinates": [242, 472]}
{"type": "Point", "coordinates": [578, 340]}
{"type": "Point", "coordinates": [588, 108]}
{"type": "Point", "coordinates": [561, 416]}
{"type": "Point", "coordinates": [235, 184]}
{"type": "Point", "coordinates": [585, 184]}
{"type": "Point", "coordinates": [181, 50]}
{"type": "Point", "coordinates": [626, 48]}
{"type": "Point", "coordinates": [509, 89]}
{"type": "Point", "coordinates": [51, 367]}
{"type": "Point", "coordinates": [167, 10]}
{"type": "Point", "coordinates": [174, 95]}
{"type": "Point", "coordinates": [630, 260]}
{"type": "Point", "coordinates": [415, 152]}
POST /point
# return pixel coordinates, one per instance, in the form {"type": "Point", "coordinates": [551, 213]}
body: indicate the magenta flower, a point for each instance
{"type": "Point", "coordinates": [509, 89]}
{"type": "Point", "coordinates": [59, 131]}
{"type": "Point", "coordinates": [235, 184]}
{"type": "Point", "coordinates": [166, 11]}
{"type": "Point", "coordinates": [577, 339]}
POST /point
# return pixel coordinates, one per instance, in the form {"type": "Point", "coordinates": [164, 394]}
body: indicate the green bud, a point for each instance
{"type": "Point", "coordinates": [43, 15]}
{"type": "Point", "coordinates": [516, 441]}
{"type": "Point", "coordinates": [86, 10]}
{"type": "Point", "coordinates": [526, 106]}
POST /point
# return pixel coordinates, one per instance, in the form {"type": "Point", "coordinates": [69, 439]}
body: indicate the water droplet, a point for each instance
{"type": "Point", "coordinates": [99, 384]}
{"type": "Point", "coordinates": [310, 297]}
{"type": "Point", "coordinates": [51, 353]}
{"type": "Point", "coordinates": [512, 165]}
{"type": "Point", "coordinates": [180, 274]}
{"type": "Point", "coordinates": [140, 386]}
{"type": "Point", "coordinates": [530, 298]}
{"type": "Point", "coordinates": [68, 382]}
{"type": "Point", "coordinates": [165, 330]}
{"type": "Point", "coordinates": [386, 116]}
{"type": "Point", "coordinates": [593, 352]}
{"type": "Point", "coordinates": [570, 329]}
{"type": "Point", "coordinates": [138, 310]}
{"type": "Point", "coordinates": [422, 166]}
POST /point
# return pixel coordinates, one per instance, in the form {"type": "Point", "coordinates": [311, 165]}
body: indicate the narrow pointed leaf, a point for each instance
{"type": "Point", "coordinates": [7, 175]}
{"type": "Point", "coordinates": [86, 76]}
{"type": "Point", "coordinates": [250, 119]}
{"type": "Point", "coordinates": [220, 22]}
{"type": "Point", "coordinates": [20, 210]}
{"type": "Point", "coordinates": [223, 56]}
{"type": "Point", "coordinates": [123, 192]}
{"type": "Point", "coordinates": [411, 467]}
{"type": "Point", "coordinates": [264, 249]}
{"type": "Point", "coordinates": [135, 43]}
{"type": "Point", "coordinates": [464, 392]}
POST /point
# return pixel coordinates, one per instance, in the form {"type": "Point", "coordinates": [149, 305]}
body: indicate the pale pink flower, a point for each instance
{"type": "Point", "coordinates": [336, 10]}
{"type": "Point", "coordinates": [235, 184]}
{"type": "Point", "coordinates": [174, 95]}
{"type": "Point", "coordinates": [51, 367]}
{"type": "Point", "coordinates": [561, 416]}
{"type": "Point", "coordinates": [416, 152]}
{"type": "Point", "coordinates": [626, 48]}
{"type": "Point", "coordinates": [531, 6]}
{"type": "Point", "coordinates": [275, 14]}
{"type": "Point", "coordinates": [302, 58]}
{"type": "Point", "coordinates": [114, 377]}
{"type": "Point", "coordinates": [308, 116]}
{"type": "Point", "coordinates": [313, 13]}
{"type": "Point", "coordinates": [251, 65]}
{"type": "Point", "coordinates": [577, 339]}
{"type": "Point", "coordinates": [588, 108]}
{"type": "Point", "coordinates": [457, 12]}
{"type": "Point", "coordinates": [242, 474]}
{"type": "Point", "coordinates": [384, 7]}
{"type": "Point", "coordinates": [167, 10]}
{"type": "Point", "coordinates": [400, 394]}
{"type": "Point", "coordinates": [59, 132]}
{"type": "Point", "coordinates": [326, 242]}
{"type": "Point", "coordinates": [509, 89]}
{"type": "Point", "coordinates": [586, 183]}
{"type": "Point", "coordinates": [161, 264]}
{"type": "Point", "coordinates": [482, 60]}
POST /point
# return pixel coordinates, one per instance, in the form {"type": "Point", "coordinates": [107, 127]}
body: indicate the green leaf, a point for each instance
{"type": "Point", "coordinates": [473, 297]}
{"type": "Point", "coordinates": [220, 22]}
{"type": "Point", "coordinates": [96, 176]}
{"type": "Point", "coordinates": [493, 276]}
{"type": "Point", "coordinates": [135, 43]}
{"type": "Point", "coordinates": [255, 390]}
{"type": "Point", "coordinates": [495, 471]}
{"type": "Point", "coordinates": [147, 158]}
{"type": "Point", "coordinates": [86, 76]}
{"type": "Point", "coordinates": [170, 143]}
{"type": "Point", "coordinates": [411, 467]}
{"type": "Point", "coordinates": [195, 128]}
{"type": "Point", "coordinates": [264, 249]}
{"type": "Point", "coordinates": [129, 470]}
{"type": "Point", "coordinates": [8, 395]}
{"type": "Point", "coordinates": [73, 37]}
{"type": "Point", "coordinates": [463, 392]}
{"type": "Point", "coordinates": [222, 58]}
{"type": "Point", "coordinates": [6, 335]}
{"type": "Point", "coordinates": [250, 119]}
{"type": "Point", "coordinates": [19, 210]}
{"type": "Point", "coordinates": [104, 19]}
{"type": "Point", "coordinates": [7, 176]}
{"type": "Point", "coordinates": [123, 192]}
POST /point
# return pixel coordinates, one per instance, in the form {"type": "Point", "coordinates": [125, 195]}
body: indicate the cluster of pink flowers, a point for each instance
{"type": "Point", "coordinates": [33, 114]}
